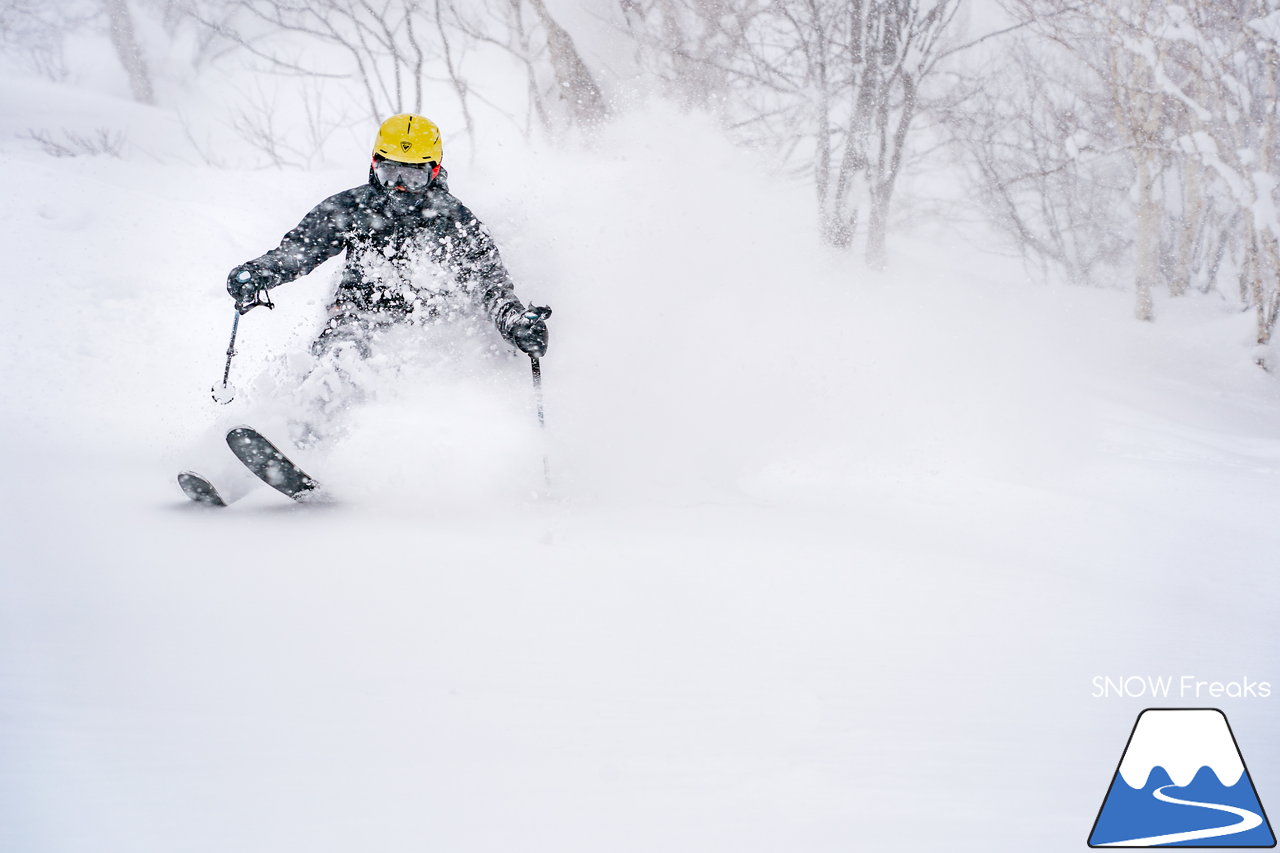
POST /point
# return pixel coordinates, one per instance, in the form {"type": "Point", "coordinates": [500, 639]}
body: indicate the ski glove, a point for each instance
{"type": "Point", "coordinates": [248, 287]}
{"type": "Point", "coordinates": [528, 331]}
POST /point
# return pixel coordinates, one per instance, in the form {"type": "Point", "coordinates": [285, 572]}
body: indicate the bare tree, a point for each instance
{"type": "Point", "coordinates": [1190, 93]}
{"type": "Point", "coordinates": [395, 48]}
{"type": "Point", "coordinates": [380, 39]}
{"type": "Point", "coordinates": [678, 41]}
{"type": "Point", "coordinates": [120, 26]}
{"type": "Point", "coordinates": [33, 31]}
{"type": "Point", "coordinates": [577, 85]}
{"type": "Point", "coordinates": [258, 122]}
{"type": "Point", "coordinates": [1221, 62]}
{"type": "Point", "coordinates": [1043, 157]}
{"type": "Point", "coordinates": [562, 89]}
{"type": "Point", "coordinates": [830, 85]}
{"type": "Point", "coordinates": [68, 143]}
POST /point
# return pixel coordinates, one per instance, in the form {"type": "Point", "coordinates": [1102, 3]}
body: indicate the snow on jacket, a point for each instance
{"type": "Point", "coordinates": [397, 244]}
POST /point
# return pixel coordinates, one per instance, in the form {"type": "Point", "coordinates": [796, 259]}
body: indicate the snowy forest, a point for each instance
{"type": "Point", "coordinates": [912, 370]}
{"type": "Point", "coordinates": [1117, 144]}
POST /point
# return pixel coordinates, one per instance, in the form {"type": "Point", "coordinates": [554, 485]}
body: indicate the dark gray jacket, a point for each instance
{"type": "Point", "coordinates": [388, 235]}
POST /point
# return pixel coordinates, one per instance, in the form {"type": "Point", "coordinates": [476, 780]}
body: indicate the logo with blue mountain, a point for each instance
{"type": "Point", "coordinates": [1181, 783]}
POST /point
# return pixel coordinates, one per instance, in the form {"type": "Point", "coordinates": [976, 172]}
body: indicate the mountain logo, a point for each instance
{"type": "Point", "coordinates": [1181, 782]}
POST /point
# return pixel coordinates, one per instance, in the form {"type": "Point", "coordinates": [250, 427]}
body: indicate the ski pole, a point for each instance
{"type": "Point", "coordinates": [538, 313]}
{"type": "Point", "coordinates": [226, 394]}
{"type": "Point", "coordinates": [535, 365]}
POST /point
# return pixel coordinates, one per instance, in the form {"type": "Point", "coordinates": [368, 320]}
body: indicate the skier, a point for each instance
{"type": "Point", "coordinates": [404, 216]}
{"type": "Point", "coordinates": [414, 252]}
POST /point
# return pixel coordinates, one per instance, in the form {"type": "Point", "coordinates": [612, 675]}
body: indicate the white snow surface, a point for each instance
{"type": "Point", "coordinates": [832, 558]}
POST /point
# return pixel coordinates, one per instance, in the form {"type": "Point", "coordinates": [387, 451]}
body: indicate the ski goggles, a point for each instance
{"type": "Point", "coordinates": [413, 177]}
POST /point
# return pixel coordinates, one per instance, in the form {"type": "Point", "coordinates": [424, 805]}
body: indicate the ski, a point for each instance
{"type": "Point", "coordinates": [199, 490]}
{"type": "Point", "coordinates": [271, 466]}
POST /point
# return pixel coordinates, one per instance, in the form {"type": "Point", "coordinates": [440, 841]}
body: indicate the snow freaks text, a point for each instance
{"type": "Point", "coordinates": [1177, 687]}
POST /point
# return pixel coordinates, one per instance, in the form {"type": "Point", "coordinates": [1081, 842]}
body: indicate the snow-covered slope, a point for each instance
{"type": "Point", "coordinates": [833, 559]}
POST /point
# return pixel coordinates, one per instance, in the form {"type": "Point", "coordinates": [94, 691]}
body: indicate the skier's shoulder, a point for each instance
{"type": "Point", "coordinates": [445, 203]}
{"type": "Point", "coordinates": [342, 209]}
{"type": "Point", "coordinates": [340, 202]}
{"type": "Point", "coordinates": [449, 207]}
{"type": "Point", "coordinates": [351, 199]}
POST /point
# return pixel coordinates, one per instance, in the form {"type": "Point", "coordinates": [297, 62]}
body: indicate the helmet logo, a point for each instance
{"type": "Point", "coordinates": [405, 145]}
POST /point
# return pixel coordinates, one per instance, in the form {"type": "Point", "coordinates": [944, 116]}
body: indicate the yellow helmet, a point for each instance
{"type": "Point", "coordinates": [409, 139]}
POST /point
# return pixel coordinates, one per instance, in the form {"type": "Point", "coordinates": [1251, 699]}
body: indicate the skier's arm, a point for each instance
{"type": "Point", "coordinates": [473, 258]}
{"type": "Point", "coordinates": [316, 238]}
{"type": "Point", "coordinates": [479, 269]}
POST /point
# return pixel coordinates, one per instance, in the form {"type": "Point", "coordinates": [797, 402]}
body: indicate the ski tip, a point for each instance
{"type": "Point", "coordinates": [199, 490]}
{"type": "Point", "coordinates": [266, 462]}
{"type": "Point", "coordinates": [242, 431]}
{"type": "Point", "coordinates": [243, 439]}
